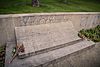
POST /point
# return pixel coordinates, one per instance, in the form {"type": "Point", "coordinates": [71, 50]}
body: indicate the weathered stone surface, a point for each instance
{"type": "Point", "coordinates": [6, 30]}
{"type": "Point", "coordinates": [80, 20]}
{"type": "Point", "coordinates": [49, 56]}
{"type": "Point", "coordinates": [39, 37]}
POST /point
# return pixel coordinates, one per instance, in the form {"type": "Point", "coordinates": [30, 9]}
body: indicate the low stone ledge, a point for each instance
{"type": "Point", "coordinates": [55, 13]}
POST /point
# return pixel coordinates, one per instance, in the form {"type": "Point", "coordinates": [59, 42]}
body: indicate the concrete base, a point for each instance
{"type": "Point", "coordinates": [41, 59]}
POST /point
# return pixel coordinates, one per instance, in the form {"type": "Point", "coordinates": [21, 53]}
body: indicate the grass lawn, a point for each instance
{"type": "Point", "coordinates": [92, 34]}
{"type": "Point", "coordinates": [24, 6]}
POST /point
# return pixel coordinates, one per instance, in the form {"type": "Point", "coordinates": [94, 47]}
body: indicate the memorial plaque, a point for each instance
{"type": "Point", "coordinates": [40, 37]}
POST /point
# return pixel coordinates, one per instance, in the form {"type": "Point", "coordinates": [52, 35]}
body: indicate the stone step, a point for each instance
{"type": "Point", "coordinates": [47, 57]}
{"type": "Point", "coordinates": [25, 55]}
{"type": "Point", "coordinates": [55, 54]}
{"type": "Point", "coordinates": [42, 37]}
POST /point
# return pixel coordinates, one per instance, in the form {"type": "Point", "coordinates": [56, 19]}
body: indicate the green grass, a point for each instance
{"type": "Point", "coordinates": [92, 34]}
{"type": "Point", "coordinates": [24, 6]}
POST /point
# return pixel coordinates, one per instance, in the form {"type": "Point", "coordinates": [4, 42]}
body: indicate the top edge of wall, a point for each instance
{"type": "Point", "coordinates": [54, 13]}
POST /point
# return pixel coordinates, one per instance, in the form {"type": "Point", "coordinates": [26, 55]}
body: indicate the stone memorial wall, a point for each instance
{"type": "Point", "coordinates": [79, 20]}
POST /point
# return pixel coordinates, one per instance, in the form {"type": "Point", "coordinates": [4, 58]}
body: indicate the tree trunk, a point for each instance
{"type": "Point", "coordinates": [35, 3]}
